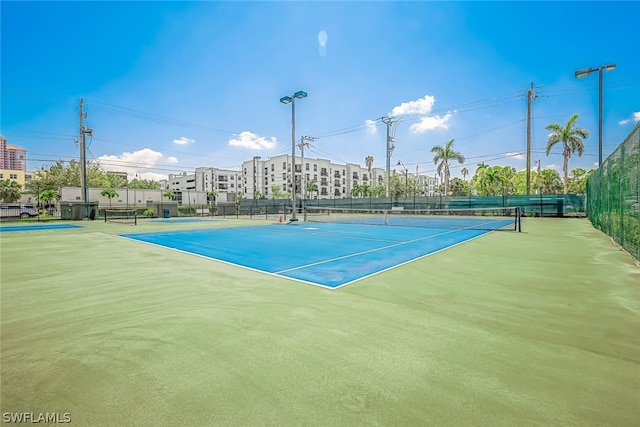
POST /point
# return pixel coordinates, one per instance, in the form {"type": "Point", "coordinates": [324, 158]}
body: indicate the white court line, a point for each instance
{"type": "Point", "coordinates": [408, 261]}
{"type": "Point", "coordinates": [227, 262]}
{"type": "Point", "coordinates": [365, 252]}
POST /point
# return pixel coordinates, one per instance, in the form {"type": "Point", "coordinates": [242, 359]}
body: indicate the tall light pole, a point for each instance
{"type": "Point", "coordinates": [585, 72]}
{"type": "Point", "coordinates": [292, 100]}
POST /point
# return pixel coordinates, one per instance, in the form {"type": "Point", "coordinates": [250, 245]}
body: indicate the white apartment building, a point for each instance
{"type": "Point", "coordinates": [225, 182]}
{"type": "Point", "coordinates": [429, 185]}
{"type": "Point", "coordinates": [332, 180]}
{"type": "Point", "coordinates": [257, 176]}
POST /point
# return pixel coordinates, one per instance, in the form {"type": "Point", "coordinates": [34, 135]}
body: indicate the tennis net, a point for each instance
{"type": "Point", "coordinates": [503, 218]}
{"type": "Point", "coordinates": [128, 216]}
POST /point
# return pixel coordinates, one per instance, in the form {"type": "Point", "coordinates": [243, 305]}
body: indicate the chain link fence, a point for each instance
{"type": "Point", "coordinates": [613, 194]}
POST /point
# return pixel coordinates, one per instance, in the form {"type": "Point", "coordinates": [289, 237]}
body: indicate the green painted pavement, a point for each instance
{"type": "Point", "coordinates": [536, 328]}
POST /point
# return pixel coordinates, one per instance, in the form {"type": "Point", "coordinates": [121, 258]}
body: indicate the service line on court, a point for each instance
{"type": "Point", "coordinates": [382, 248]}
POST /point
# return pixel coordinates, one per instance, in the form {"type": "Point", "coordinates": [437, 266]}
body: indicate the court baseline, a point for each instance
{"type": "Point", "coordinates": [327, 255]}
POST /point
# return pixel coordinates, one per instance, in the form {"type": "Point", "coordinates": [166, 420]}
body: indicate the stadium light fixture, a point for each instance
{"type": "Point", "coordinates": [586, 72]}
{"type": "Point", "coordinates": [292, 100]}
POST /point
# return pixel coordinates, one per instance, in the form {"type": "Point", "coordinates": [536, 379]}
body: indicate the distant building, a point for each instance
{"type": "Point", "coordinates": [122, 175]}
{"type": "Point", "coordinates": [332, 180]}
{"type": "Point", "coordinates": [225, 182]}
{"type": "Point", "coordinates": [12, 157]}
{"type": "Point", "coordinates": [13, 163]}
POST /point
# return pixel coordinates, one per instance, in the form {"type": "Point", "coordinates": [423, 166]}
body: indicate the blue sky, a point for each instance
{"type": "Point", "coordinates": [170, 86]}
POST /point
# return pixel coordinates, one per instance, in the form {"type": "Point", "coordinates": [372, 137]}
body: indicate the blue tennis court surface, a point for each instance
{"type": "Point", "coordinates": [324, 254]}
{"type": "Point", "coordinates": [37, 227]}
{"type": "Point", "coordinates": [179, 220]}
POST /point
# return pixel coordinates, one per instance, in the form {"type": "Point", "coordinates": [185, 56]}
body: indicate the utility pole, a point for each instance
{"type": "Point", "coordinates": [389, 122]}
{"type": "Point", "coordinates": [301, 146]}
{"type": "Point", "coordinates": [530, 97]}
{"type": "Point", "coordinates": [83, 159]}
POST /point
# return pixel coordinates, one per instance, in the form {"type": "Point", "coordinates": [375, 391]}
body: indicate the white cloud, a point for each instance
{"type": "Point", "coordinates": [371, 126]}
{"type": "Point", "coordinates": [552, 166]}
{"type": "Point", "coordinates": [172, 160]}
{"type": "Point", "coordinates": [420, 106]}
{"type": "Point", "coordinates": [518, 156]}
{"type": "Point", "coordinates": [183, 141]}
{"type": "Point", "coordinates": [130, 163]}
{"type": "Point", "coordinates": [430, 123]}
{"type": "Point", "coordinates": [252, 141]}
{"type": "Point", "coordinates": [636, 118]}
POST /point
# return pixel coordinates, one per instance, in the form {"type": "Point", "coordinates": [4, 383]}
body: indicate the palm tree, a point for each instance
{"type": "Point", "coordinates": [442, 157]}
{"type": "Point", "coordinates": [10, 191]}
{"type": "Point", "coordinates": [109, 193]}
{"type": "Point", "coordinates": [48, 196]}
{"type": "Point", "coordinates": [369, 162]}
{"type": "Point", "coordinates": [571, 139]}
{"type": "Point", "coordinates": [464, 173]}
{"type": "Point", "coordinates": [313, 186]}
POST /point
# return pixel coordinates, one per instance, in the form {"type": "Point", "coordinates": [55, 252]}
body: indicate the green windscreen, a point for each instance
{"type": "Point", "coordinates": [613, 194]}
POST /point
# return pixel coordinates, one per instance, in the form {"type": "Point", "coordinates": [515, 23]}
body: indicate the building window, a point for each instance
{"type": "Point", "coordinates": [284, 176]}
{"type": "Point", "coordinates": [284, 165]}
{"type": "Point", "coordinates": [272, 167]}
{"type": "Point", "coordinates": [315, 168]}
{"type": "Point", "coordinates": [1, 176]}
{"type": "Point", "coordinates": [307, 166]}
{"type": "Point", "coordinates": [13, 176]}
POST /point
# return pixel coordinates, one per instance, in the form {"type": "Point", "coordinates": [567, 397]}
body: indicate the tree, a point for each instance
{"type": "Point", "coordinates": [460, 187]}
{"type": "Point", "coordinates": [169, 195]}
{"type": "Point", "coordinates": [10, 191]}
{"type": "Point", "coordinates": [442, 157]}
{"type": "Point", "coordinates": [548, 181]}
{"type": "Point", "coordinates": [378, 190]}
{"type": "Point", "coordinates": [47, 196]}
{"type": "Point", "coordinates": [143, 184]}
{"type": "Point", "coordinates": [276, 192]}
{"type": "Point", "coordinates": [109, 193]}
{"type": "Point", "coordinates": [369, 162]}
{"type": "Point", "coordinates": [312, 186]}
{"type": "Point", "coordinates": [494, 180]}
{"type": "Point", "coordinates": [572, 141]}
{"type": "Point", "coordinates": [464, 173]}
{"type": "Point", "coordinates": [578, 180]}
{"type": "Point", "coordinates": [211, 195]}
{"type": "Point", "coordinates": [397, 187]}
{"type": "Point", "coordinates": [478, 177]}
